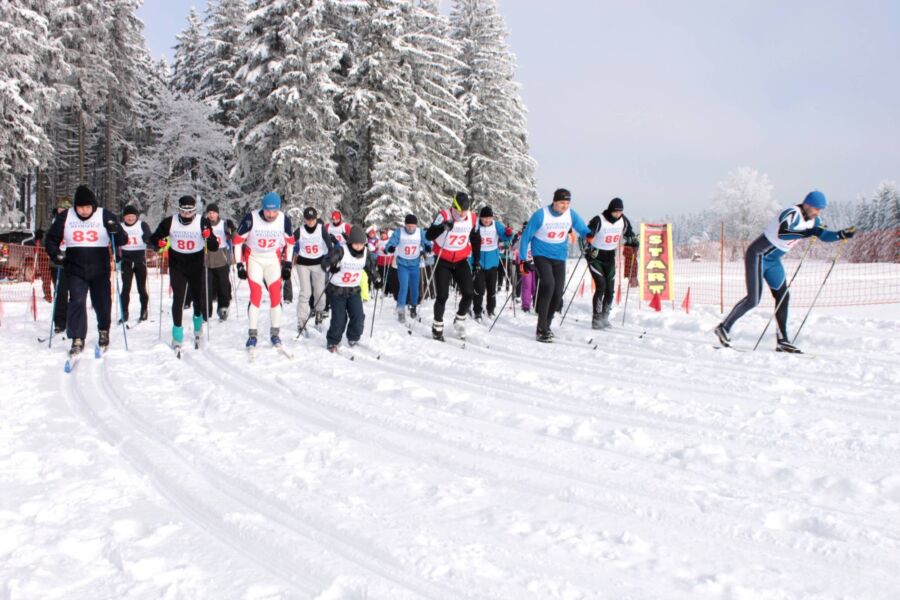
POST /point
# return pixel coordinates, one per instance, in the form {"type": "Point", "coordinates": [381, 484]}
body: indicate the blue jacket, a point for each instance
{"type": "Point", "coordinates": [551, 250]}
{"type": "Point", "coordinates": [394, 241]}
{"type": "Point", "coordinates": [491, 259]}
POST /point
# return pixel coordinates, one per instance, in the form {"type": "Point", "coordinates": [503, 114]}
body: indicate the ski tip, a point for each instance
{"type": "Point", "coordinates": [68, 367]}
{"type": "Point", "coordinates": [97, 352]}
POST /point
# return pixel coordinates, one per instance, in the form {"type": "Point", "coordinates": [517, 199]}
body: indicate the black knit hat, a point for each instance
{"type": "Point", "coordinates": [410, 220]}
{"type": "Point", "coordinates": [487, 211]}
{"type": "Point", "coordinates": [85, 197]}
{"type": "Point", "coordinates": [356, 235]}
{"type": "Point", "coordinates": [187, 203]}
{"type": "Point", "coordinates": [562, 194]}
{"type": "Point", "coordinates": [212, 207]}
{"type": "Point", "coordinates": [310, 213]}
{"type": "Point", "coordinates": [130, 210]}
{"type": "Point", "coordinates": [615, 204]}
{"type": "Point", "coordinates": [461, 201]}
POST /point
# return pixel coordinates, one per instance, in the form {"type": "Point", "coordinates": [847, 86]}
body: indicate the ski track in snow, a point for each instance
{"type": "Point", "coordinates": [654, 466]}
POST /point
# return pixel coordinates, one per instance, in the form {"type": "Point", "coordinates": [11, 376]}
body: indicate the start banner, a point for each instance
{"type": "Point", "coordinates": [656, 270]}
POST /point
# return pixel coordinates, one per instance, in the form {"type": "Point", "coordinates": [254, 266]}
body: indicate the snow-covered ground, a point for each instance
{"type": "Point", "coordinates": [651, 466]}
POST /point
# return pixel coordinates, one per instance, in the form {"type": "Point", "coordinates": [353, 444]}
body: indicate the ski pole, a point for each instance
{"type": "Point", "coordinates": [777, 306]}
{"type": "Point", "coordinates": [628, 289]}
{"type": "Point", "coordinates": [830, 269]}
{"type": "Point", "coordinates": [53, 309]}
{"type": "Point", "coordinates": [302, 328]}
{"type": "Point", "coordinates": [206, 306]}
{"type": "Point", "coordinates": [430, 280]}
{"type": "Point", "coordinates": [574, 293]}
{"type": "Point", "coordinates": [574, 270]}
{"type": "Point", "coordinates": [509, 282]}
{"type": "Point", "coordinates": [159, 265]}
{"type": "Point", "coordinates": [372, 330]}
{"type": "Point", "coordinates": [500, 312]}
{"type": "Point", "coordinates": [112, 238]}
{"type": "Point", "coordinates": [384, 274]}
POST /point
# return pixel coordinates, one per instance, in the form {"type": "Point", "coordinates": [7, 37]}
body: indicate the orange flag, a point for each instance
{"type": "Point", "coordinates": [686, 303]}
{"type": "Point", "coordinates": [656, 303]}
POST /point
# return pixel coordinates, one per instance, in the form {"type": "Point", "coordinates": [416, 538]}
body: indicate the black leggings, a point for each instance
{"type": "Point", "coordinates": [604, 275]}
{"type": "Point", "coordinates": [552, 278]}
{"type": "Point", "coordinates": [186, 285]}
{"type": "Point", "coordinates": [486, 281]}
{"type": "Point", "coordinates": [462, 275]}
{"type": "Point", "coordinates": [139, 270]}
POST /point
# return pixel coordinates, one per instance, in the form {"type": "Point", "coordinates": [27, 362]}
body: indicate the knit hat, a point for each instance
{"type": "Point", "coordinates": [815, 199]}
{"type": "Point", "coordinates": [212, 207]}
{"type": "Point", "coordinates": [410, 220]}
{"type": "Point", "coordinates": [487, 211]}
{"type": "Point", "coordinates": [85, 197]}
{"type": "Point", "coordinates": [336, 215]}
{"type": "Point", "coordinates": [357, 235]}
{"type": "Point", "coordinates": [310, 213]}
{"type": "Point", "coordinates": [187, 203]}
{"type": "Point", "coordinates": [461, 201]}
{"type": "Point", "coordinates": [271, 201]}
{"type": "Point", "coordinates": [615, 204]}
{"type": "Point", "coordinates": [130, 210]}
{"type": "Point", "coordinates": [562, 194]}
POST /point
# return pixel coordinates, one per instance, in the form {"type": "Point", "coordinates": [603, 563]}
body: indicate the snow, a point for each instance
{"type": "Point", "coordinates": [655, 466]}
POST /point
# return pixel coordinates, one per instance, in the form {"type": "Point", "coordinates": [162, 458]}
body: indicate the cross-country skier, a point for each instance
{"type": "Point", "coordinates": [347, 263]}
{"type": "Point", "coordinates": [454, 237]}
{"type": "Point", "coordinates": [547, 233]}
{"type": "Point", "coordinates": [313, 244]}
{"type": "Point", "coordinates": [526, 284]}
{"type": "Point", "coordinates": [337, 228]}
{"type": "Point", "coordinates": [407, 244]}
{"type": "Point", "coordinates": [607, 230]}
{"type": "Point", "coordinates": [188, 233]}
{"type": "Point", "coordinates": [218, 262]}
{"type": "Point", "coordinates": [85, 232]}
{"type": "Point", "coordinates": [492, 233]}
{"type": "Point", "coordinates": [134, 260]}
{"type": "Point", "coordinates": [270, 242]}
{"type": "Point", "coordinates": [762, 262]}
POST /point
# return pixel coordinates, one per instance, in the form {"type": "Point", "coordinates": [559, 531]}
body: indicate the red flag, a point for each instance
{"type": "Point", "coordinates": [1, 309]}
{"type": "Point", "coordinates": [619, 294]}
{"type": "Point", "coordinates": [34, 303]}
{"type": "Point", "coordinates": [581, 289]}
{"type": "Point", "coordinates": [656, 303]}
{"type": "Point", "coordinates": [686, 303]}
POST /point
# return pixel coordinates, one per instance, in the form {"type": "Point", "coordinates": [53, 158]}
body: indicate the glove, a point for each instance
{"type": "Point", "coordinates": [632, 241]}
{"type": "Point", "coordinates": [390, 249]}
{"type": "Point", "coordinates": [590, 252]}
{"type": "Point", "coordinates": [58, 259]}
{"type": "Point", "coordinates": [377, 281]}
{"type": "Point", "coordinates": [241, 271]}
{"type": "Point", "coordinates": [206, 233]}
{"type": "Point", "coordinates": [161, 244]}
{"type": "Point", "coordinates": [476, 268]}
{"type": "Point", "coordinates": [111, 227]}
{"type": "Point", "coordinates": [285, 269]}
{"type": "Point", "coordinates": [447, 225]}
{"type": "Point", "coordinates": [335, 268]}
{"type": "Point", "coordinates": [526, 267]}
{"type": "Point", "coordinates": [846, 234]}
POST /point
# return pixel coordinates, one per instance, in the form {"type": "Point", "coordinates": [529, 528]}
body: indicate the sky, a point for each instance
{"type": "Point", "coordinates": [656, 101]}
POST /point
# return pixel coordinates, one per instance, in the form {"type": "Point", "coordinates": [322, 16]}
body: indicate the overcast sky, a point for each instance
{"type": "Point", "coordinates": [655, 101]}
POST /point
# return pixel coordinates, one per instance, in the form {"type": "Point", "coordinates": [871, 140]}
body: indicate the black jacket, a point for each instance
{"type": "Point", "coordinates": [86, 263]}
{"type": "Point", "coordinates": [181, 260]}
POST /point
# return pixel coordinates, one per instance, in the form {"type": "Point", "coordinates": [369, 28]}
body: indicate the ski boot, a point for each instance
{"type": "Point", "coordinates": [597, 321]}
{"type": "Point", "coordinates": [124, 318]}
{"type": "Point", "coordinates": [274, 337]}
{"type": "Point", "coordinates": [103, 339]}
{"type": "Point", "coordinates": [459, 325]}
{"type": "Point", "coordinates": [544, 335]}
{"type": "Point", "coordinates": [198, 330]}
{"type": "Point", "coordinates": [320, 317]}
{"type": "Point", "coordinates": [412, 313]}
{"type": "Point", "coordinates": [478, 318]}
{"type": "Point", "coordinates": [251, 339]}
{"type": "Point", "coordinates": [604, 319]}
{"type": "Point", "coordinates": [177, 339]}
{"type": "Point", "coordinates": [437, 331]}
{"type": "Point", "coordinates": [222, 312]}
{"type": "Point", "coordinates": [333, 348]}
{"type": "Point", "coordinates": [77, 346]}
{"type": "Point", "coordinates": [144, 314]}
{"type": "Point", "coordinates": [491, 314]}
{"type": "Point", "coordinates": [786, 346]}
{"type": "Point", "coordinates": [401, 315]}
{"type": "Point", "coordinates": [59, 329]}
{"type": "Point", "coordinates": [722, 334]}
{"type": "Point", "coordinates": [352, 343]}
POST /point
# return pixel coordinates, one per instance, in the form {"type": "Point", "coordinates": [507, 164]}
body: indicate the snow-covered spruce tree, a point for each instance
{"type": "Point", "coordinates": [380, 126]}
{"type": "Point", "coordinates": [499, 169]}
{"type": "Point", "coordinates": [190, 59]}
{"type": "Point", "coordinates": [190, 156]}
{"type": "Point", "coordinates": [30, 65]}
{"type": "Point", "coordinates": [218, 84]}
{"type": "Point", "coordinates": [285, 140]}
{"type": "Point", "coordinates": [437, 165]}
{"type": "Point", "coordinates": [743, 201]}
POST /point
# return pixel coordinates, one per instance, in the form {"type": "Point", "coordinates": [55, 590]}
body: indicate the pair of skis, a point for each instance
{"type": "Point", "coordinates": [73, 359]}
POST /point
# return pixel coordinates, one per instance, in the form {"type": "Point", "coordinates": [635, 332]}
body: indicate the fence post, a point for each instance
{"type": "Point", "coordinates": [722, 270]}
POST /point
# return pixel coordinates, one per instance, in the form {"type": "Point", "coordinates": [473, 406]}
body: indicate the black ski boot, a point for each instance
{"type": "Point", "coordinates": [145, 314]}
{"type": "Point", "coordinates": [786, 346]}
{"type": "Point", "coordinates": [222, 312]}
{"type": "Point", "coordinates": [604, 319]}
{"type": "Point", "coordinates": [77, 346]}
{"type": "Point", "coordinates": [412, 313]}
{"type": "Point", "coordinates": [597, 321]}
{"type": "Point", "coordinates": [544, 336]}
{"type": "Point", "coordinates": [722, 334]}
{"type": "Point", "coordinates": [459, 325]}
{"type": "Point", "coordinates": [320, 317]}
{"type": "Point", "coordinates": [437, 331]}
{"type": "Point", "coordinates": [103, 339]}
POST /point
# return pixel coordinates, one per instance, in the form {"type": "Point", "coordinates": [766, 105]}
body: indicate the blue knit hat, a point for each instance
{"type": "Point", "coordinates": [271, 201]}
{"type": "Point", "coordinates": [816, 199]}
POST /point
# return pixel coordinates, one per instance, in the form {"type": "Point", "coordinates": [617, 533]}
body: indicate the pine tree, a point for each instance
{"type": "Point", "coordinates": [190, 59]}
{"type": "Point", "coordinates": [218, 83]}
{"type": "Point", "coordinates": [30, 64]}
{"type": "Point", "coordinates": [285, 140]}
{"type": "Point", "coordinates": [499, 170]}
